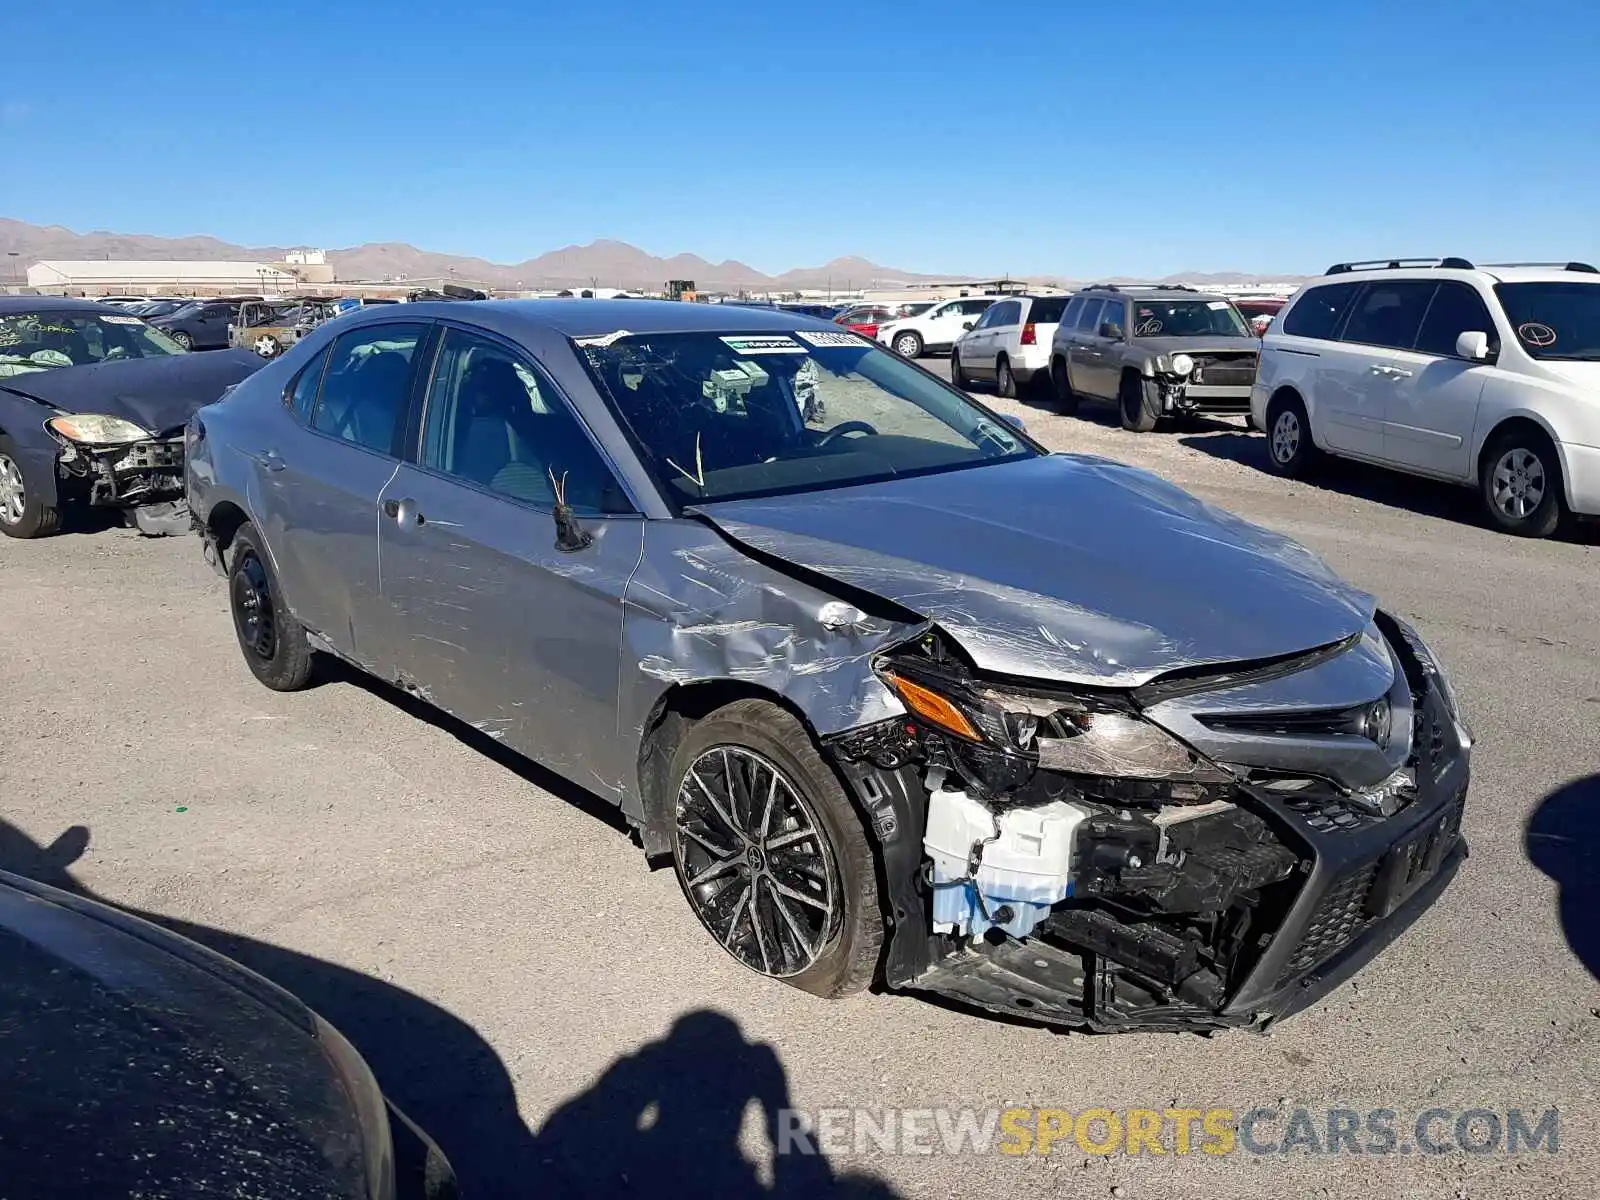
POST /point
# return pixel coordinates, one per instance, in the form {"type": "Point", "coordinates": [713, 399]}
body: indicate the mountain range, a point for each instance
{"type": "Point", "coordinates": [602, 263]}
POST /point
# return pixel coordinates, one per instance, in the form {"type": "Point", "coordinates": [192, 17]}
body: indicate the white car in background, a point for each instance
{"type": "Point", "coordinates": [1010, 344]}
{"type": "Point", "coordinates": [935, 330]}
{"type": "Point", "coordinates": [1483, 376]}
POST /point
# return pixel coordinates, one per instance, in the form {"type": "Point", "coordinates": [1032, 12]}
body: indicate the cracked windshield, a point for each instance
{"type": "Point", "coordinates": [722, 416]}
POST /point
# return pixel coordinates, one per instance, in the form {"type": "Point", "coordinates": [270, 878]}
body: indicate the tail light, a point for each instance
{"type": "Point", "coordinates": [1030, 335]}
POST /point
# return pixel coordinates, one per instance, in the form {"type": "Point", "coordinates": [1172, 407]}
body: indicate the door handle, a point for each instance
{"type": "Point", "coordinates": [1398, 373]}
{"type": "Point", "coordinates": [1379, 369]}
{"type": "Point", "coordinates": [272, 460]}
{"type": "Point", "coordinates": [405, 512]}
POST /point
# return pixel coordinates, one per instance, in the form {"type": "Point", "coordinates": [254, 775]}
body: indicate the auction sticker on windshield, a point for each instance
{"type": "Point", "coordinates": [763, 345]}
{"type": "Point", "coordinates": [122, 320]}
{"type": "Point", "coordinates": [830, 338]}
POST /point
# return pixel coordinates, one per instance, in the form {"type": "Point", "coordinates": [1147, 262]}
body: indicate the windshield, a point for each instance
{"type": "Point", "coordinates": [723, 416]}
{"type": "Point", "coordinates": [1554, 320]}
{"type": "Point", "coordinates": [38, 341]}
{"type": "Point", "coordinates": [1188, 318]}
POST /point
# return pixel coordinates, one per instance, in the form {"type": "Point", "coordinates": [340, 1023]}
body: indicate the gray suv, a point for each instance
{"type": "Point", "coordinates": [1154, 351]}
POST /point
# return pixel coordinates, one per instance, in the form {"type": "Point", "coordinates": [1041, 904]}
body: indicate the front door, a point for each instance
{"type": "Point", "coordinates": [494, 621]}
{"type": "Point", "coordinates": [1105, 367]}
{"type": "Point", "coordinates": [1434, 405]}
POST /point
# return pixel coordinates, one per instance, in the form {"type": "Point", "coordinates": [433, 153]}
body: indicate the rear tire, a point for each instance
{"type": "Point", "coordinates": [1136, 414]}
{"type": "Point", "coordinates": [907, 344]}
{"type": "Point", "coordinates": [732, 858]}
{"type": "Point", "coordinates": [23, 514]}
{"type": "Point", "coordinates": [274, 644]}
{"type": "Point", "coordinates": [1005, 383]}
{"type": "Point", "coordinates": [183, 339]}
{"type": "Point", "coordinates": [1061, 385]}
{"type": "Point", "coordinates": [1290, 450]}
{"type": "Point", "coordinates": [1520, 485]}
{"type": "Point", "coordinates": [267, 346]}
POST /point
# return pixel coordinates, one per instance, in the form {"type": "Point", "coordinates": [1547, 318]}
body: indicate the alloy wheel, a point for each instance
{"type": "Point", "coordinates": [906, 346]}
{"type": "Point", "coordinates": [13, 494]}
{"type": "Point", "coordinates": [253, 613]}
{"type": "Point", "coordinates": [1518, 482]}
{"type": "Point", "coordinates": [754, 862]}
{"type": "Point", "coordinates": [266, 346]}
{"type": "Point", "coordinates": [1286, 436]}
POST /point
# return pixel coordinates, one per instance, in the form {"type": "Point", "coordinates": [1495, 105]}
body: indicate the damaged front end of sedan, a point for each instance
{"type": "Point", "coordinates": [1214, 848]}
{"type": "Point", "coordinates": [107, 462]}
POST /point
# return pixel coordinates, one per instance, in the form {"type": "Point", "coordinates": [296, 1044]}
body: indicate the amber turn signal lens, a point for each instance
{"type": "Point", "coordinates": [931, 706]}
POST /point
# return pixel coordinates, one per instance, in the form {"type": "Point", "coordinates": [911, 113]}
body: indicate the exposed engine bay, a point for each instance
{"type": "Point", "coordinates": [122, 475]}
{"type": "Point", "coordinates": [1079, 863]}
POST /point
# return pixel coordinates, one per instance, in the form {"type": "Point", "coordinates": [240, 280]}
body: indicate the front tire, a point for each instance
{"type": "Point", "coordinates": [22, 513]}
{"type": "Point", "coordinates": [1005, 383]}
{"type": "Point", "coordinates": [908, 344]}
{"type": "Point", "coordinates": [958, 377]}
{"type": "Point", "coordinates": [770, 853]}
{"type": "Point", "coordinates": [267, 346]}
{"type": "Point", "coordinates": [1520, 484]}
{"type": "Point", "coordinates": [274, 644]}
{"type": "Point", "coordinates": [1136, 414]}
{"type": "Point", "coordinates": [183, 339]}
{"type": "Point", "coordinates": [1290, 450]}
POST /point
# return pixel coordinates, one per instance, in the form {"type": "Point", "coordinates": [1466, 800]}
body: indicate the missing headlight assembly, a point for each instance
{"type": "Point", "coordinates": [1081, 862]}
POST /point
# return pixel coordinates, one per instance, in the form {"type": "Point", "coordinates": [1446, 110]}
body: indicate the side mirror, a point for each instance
{"type": "Point", "coordinates": [1473, 345]}
{"type": "Point", "coordinates": [968, 324]}
{"type": "Point", "coordinates": [1108, 330]}
{"type": "Point", "coordinates": [1015, 421]}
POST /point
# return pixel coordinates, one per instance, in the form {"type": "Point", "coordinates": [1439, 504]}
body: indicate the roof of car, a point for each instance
{"type": "Point", "coordinates": [10, 305]}
{"type": "Point", "coordinates": [578, 318]}
{"type": "Point", "coordinates": [1150, 291]}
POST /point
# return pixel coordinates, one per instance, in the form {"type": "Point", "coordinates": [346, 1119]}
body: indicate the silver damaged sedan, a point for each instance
{"type": "Point", "coordinates": [902, 697]}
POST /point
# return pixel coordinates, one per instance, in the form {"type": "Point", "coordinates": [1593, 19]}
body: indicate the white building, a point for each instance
{"type": "Point", "coordinates": [121, 278]}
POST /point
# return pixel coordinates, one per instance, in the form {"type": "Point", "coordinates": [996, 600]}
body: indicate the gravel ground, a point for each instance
{"type": "Point", "coordinates": [552, 1012]}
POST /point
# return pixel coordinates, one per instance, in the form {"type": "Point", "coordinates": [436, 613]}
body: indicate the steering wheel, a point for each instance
{"type": "Point", "coordinates": [844, 427]}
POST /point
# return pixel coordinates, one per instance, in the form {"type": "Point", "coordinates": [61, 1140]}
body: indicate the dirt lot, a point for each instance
{"type": "Point", "coordinates": [553, 1013]}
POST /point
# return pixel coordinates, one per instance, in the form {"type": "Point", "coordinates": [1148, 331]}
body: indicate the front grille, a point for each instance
{"type": "Point", "coordinates": [1337, 921]}
{"type": "Point", "coordinates": [1326, 811]}
{"type": "Point", "coordinates": [153, 455]}
{"type": "Point", "coordinates": [1216, 371]}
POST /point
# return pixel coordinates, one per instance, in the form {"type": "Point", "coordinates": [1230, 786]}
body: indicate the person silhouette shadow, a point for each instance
{"type": "Point", "coordinates": [1562, 839]}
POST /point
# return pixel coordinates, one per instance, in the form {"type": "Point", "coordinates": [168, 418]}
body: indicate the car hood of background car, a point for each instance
{"type": "Point", "coordinates": [133, 1065]}
{"type": "Point", "coordinates": [1063, 568]}
{"type": "Point", "coordinates": [158, 394]}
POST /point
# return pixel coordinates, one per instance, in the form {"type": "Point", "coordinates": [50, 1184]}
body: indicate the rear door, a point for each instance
{"type": "Point", "coordinates": [1081, 355]}
{"type": "Point", "coordinates": [493, 620]}
{"type": "Point", "coordinates": [1357, 383]}
{"type": "Point", "coordinates": [321, 476]}
{"type": "Point", "coordinates": [1433, 405]}
{"type": "Point", "coordinates": [1001, 324]}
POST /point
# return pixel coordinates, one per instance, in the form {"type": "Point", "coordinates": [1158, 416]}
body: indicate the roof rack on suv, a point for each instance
{"type": "Point", "coordinates": [1125, 286]}
{"type": "Point", "coordinates": [1582, 267]}
{"type": "Point", "coordinates": [1394, 264]}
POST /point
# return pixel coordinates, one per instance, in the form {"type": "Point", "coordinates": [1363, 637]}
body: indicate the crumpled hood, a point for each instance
{"type": "Point", "coordinates": [159, 394]}
{"type": "Point", "coordinates": [1200, 345]}
{"type": "Point", "coordinates": [1065, 568]}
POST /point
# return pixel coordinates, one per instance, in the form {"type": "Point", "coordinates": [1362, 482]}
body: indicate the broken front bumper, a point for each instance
{"type": "Point", "coordinates": [1358, 885]}
{"type": "Point", "coordinates": [136, 473]}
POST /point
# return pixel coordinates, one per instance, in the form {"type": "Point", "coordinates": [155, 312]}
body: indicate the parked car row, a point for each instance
{"type": "Point", "coordinates": [888, 712]}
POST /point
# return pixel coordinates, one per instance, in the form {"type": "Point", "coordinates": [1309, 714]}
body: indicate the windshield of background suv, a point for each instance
{"type": "Point", "coordinates": [1554, 320]}
{"type": "Point", "coordinates": [39, 341]}
{"type": "Point", "coordinates": [720, 416]}
{"type": "Point", "coordinates": [1187, 318]}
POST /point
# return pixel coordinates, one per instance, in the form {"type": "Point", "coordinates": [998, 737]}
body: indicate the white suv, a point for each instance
{"type": "Point", "coordinates": [1485, 376]}
{"type": "Point", "coordinates": [935, 329]}
{"type": "Point", "coordinates": [1010, 344]}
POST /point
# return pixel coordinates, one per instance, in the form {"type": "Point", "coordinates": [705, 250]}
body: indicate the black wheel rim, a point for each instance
{"type": "Point", "coordinates": [253, 615]}
{"type": "Point", "coordinates": [754, 862]}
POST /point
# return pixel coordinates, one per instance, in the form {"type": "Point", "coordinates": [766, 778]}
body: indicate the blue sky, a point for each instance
{"type": "Point", "coordinates": [1070, 137]}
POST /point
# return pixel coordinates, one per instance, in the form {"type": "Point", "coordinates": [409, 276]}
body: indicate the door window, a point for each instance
{"type": "Point", "coordinates": [1456, 309]}
{"type": "Point", "coordinates": [1089, 318]}
{"type": "Point", "coordinates": [1008, 312]}
{"type": "Point", "coordinates": [1318, 313]}
{"type": "Point", "coordinates": [367, 388]}
{"type": "Point", "coordinates": [303, 392]}
{"type": "Point", "coordinates": [974, 307]}
{"type": "Point", "coordinates": [495, 420]}
{"type": "Point", "coordinates": [986, 320]}
{"type": "Point", "coordinates": [1069, 318]}
{"type": "Point", "coordinates": [1389, 313]}
{"type": "Point", "coordinates": [1111, 314]}
{"type": "Point", "coordinates": [944, 312]}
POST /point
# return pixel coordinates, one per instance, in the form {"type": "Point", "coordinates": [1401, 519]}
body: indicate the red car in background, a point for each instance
{"type": "Point", "coordinates": [1259, 312]}
{"type": "Point", "coordinates": [865, 318]}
